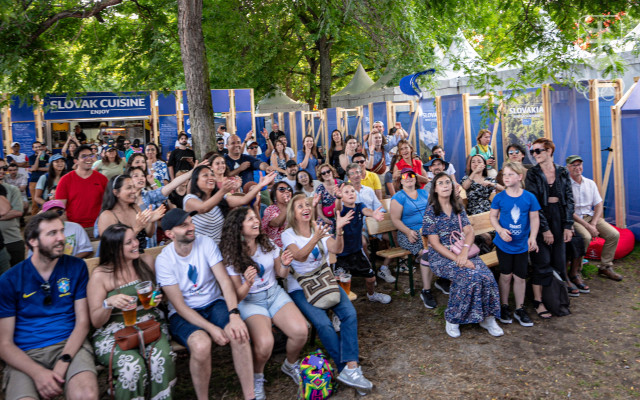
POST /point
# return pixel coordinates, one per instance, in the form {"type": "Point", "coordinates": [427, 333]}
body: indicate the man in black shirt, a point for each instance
{"type": "Point", "coordinates": [242, 164]}
{"type": "Point", "coordinates": [79, 134]}
{"type": "Point", "coordinates": [182, 158]}
{"type": "Point", "coordinates": [220, 143]}
{"type": "Point", "coordinates": [275, 132]}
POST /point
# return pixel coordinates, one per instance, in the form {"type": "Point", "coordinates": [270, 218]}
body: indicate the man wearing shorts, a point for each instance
{"type": "Point", "coordinates": [44, 319]}
{"type": "Point", "coordinates": [203, 306]}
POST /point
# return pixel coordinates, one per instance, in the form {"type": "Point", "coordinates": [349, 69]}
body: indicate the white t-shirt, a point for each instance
{"type": "Point", "coordinates": [76, 239]}
{"type": "Point", "coordinates": [314, 260]}
{"type": "Point", "coordinates": [289, 151]}
{"type": "Point", "coordinates": [192, 273]}
{"type": "Point", "coordinates": [266, 273]}
{"type": "Point", "coordinates": [291, 182]}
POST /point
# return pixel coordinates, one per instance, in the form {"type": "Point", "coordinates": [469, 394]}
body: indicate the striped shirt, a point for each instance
{"type": "Point", "coordinates": [208, 224]}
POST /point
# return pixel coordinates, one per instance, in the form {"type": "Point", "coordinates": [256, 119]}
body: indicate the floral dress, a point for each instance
{"type": "Point", "coordinates": [129, 367]}
{"type": "Point", "coordinates": [478, 196]}
{"type": "Point", "coordinates": [160, 172]}
{"type": "Point", "coordinates": [327, 200]}
{"type": "Point", "coordinates": [474, 292]}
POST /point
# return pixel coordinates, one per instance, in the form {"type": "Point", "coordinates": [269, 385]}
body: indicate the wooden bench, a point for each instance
{"type": "Point", "coordinates": [396, 253]}
{"type": "Point", "coordinates": [482, 224]}
{"type": "Point", "coordinates": [92, 263]}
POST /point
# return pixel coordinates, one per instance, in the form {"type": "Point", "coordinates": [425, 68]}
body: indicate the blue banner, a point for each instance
{"type": "Point", "coordinates": [97, 104]}
{"type": "Point", "coordinates": [427, 127]}
{"type": "Point", "coordinates": [168, 133]}
{"type": "Point", "coordinates": [25, 134]}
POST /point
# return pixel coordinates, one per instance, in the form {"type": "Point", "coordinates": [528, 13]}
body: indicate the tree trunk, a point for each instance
{"type": "Point", "coordinates": [324, 49]}
{"type": "Point", "coordinates": [313, 86]}
{"type": "Point", "coordinates": [196, 75]}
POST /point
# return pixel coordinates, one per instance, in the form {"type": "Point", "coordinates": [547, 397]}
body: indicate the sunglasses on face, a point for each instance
{"type": "Point", "coordinates": [252, 147]}
{"type": "Point", "coordinates": [4, 168]}
{"type": "Point", "coordinates": [408, 175]}
{"type": "Point", "coordinates": [283, 189]}
{"type": "Point", "coordinates": [325, 172]}
{"type": "Point", "coordinates": [85, 156]}
{"type": "Point", "coordinates": [537, 151]}
{"type": "Point", "coordinates": [46, 288]}
{"type": "Point", "coordinates": [512, 152]}
{"type": "Point", "coordinates": [359, 162]}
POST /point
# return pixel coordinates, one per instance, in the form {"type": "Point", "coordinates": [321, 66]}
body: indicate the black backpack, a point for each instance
{"type": "Point", "coordinates": [555, 296]}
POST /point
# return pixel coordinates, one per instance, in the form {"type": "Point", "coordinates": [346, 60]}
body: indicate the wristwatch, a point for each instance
{"type": "Point", "coordinates": [234, 311]}
{"type": "Point", "coordinates": [65, 358]}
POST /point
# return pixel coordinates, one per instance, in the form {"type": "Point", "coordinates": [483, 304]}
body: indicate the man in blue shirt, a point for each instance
{"type": "Point", "coordinates": [44, 319]}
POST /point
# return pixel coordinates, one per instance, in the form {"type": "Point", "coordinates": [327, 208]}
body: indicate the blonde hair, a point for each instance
{"type": "Point", "coordinates": [516, 167]}
{"type": "Point", "coordinates": [481, 133]}
{"type": "Point", "coordinates": [291, 213]}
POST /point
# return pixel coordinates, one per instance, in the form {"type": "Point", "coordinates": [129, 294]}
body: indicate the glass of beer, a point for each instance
{"type": "Point", "coordinates": [129, 313]}
{"type": "Point", "coordinates": [144, 290]}
{"type": "Point", "coordinates": [345, 282]}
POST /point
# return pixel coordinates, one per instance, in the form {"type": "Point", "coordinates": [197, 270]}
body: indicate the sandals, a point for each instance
{"type": "Point", "coordinates": [572, 291]}
{"type": "Point", "coordinates": [546, 314]}
{"type": "Point", "coordinates": [577, 280]}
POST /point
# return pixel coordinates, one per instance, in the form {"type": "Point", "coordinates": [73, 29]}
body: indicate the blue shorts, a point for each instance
{"type": "Point", "coordinates": [217, 313]}
{"type": "Point", "coordinates": [266, 302]}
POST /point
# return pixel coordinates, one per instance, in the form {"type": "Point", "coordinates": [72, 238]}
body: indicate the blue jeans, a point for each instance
{"type": "Point", "coordinates": [344, 348]}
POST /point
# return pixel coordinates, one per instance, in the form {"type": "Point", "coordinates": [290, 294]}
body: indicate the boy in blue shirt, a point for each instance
{"type": "Point", "coordinates": [352, 259]}
{"type": "Point", "coordinates": [44, 319]}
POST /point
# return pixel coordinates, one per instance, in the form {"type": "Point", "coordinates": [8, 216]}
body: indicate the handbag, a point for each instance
{"type": "Point", "coordinates": [319, 286]}
{"type": "Point", "coordinates": [457, 242]}
{"type": "Point", "coordinates": [380, 168]}
{"type": "Point", "coordinates": [131, 337]}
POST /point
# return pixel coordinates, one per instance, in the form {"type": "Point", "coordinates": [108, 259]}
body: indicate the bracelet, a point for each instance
{"type": "Point", "coordinates": [286, 266]}
{"type": "Point", "coordinates": [465, 245]}
{"type": "Point", "coordinates": [340, 234]}
{"type": "Point", "coordinates": [106, 305]}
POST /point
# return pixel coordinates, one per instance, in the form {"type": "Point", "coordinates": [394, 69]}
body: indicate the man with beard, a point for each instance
{"type": "Point", "coordinates": [44, 319]}
{"type": "Point", "coordinates": [203, 307]}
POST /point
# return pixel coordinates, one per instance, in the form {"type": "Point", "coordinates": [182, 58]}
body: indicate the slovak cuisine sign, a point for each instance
{"type": "Point", "coordinates": [97, 104]}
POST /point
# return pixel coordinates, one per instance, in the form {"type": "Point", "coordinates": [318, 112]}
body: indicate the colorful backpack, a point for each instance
{"type": "Point", "coordinates": [316, 373]}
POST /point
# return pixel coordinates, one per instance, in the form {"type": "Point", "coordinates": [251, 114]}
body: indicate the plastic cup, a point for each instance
{"type": "Point", "coordinates": [129, 313]}
{"type": "Point", "coordinates": [144, 290]}
{"type": "Point", "coordinates": [345, 282]}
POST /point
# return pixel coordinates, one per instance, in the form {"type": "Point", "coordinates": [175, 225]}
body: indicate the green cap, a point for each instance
{"type": "Point", "coordinates": [573, 158]}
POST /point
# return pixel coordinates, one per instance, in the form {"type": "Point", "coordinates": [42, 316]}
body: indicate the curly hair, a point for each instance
{"type": "Point", "coordinates": [234, 248]}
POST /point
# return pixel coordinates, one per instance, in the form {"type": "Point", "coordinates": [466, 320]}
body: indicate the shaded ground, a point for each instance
{"type": "Point", "coordinates": [592, 354]}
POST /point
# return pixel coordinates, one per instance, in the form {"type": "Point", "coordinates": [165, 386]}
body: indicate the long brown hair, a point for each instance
{"type": "Point", "coordinates": [234, 248]}
{"type": "Point", "coordinates": [111, 254]}
{"type": "Point", "coordinates": [433, 196]}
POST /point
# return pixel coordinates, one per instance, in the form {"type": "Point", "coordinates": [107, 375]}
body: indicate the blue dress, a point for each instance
{"type": "Point", "coordinates": [474, 292]}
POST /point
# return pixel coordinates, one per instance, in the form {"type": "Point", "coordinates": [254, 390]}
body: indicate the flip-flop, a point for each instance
{"type": "Point", "coordinates": [546, 314]}
{"type": "Point", "coordinates": [577, 280]}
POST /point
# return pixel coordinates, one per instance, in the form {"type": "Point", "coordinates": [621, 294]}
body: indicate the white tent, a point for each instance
{"type": "Point", "coordinates": [278, 101]}
{"type": "Point", "coordinates": [360, 82]}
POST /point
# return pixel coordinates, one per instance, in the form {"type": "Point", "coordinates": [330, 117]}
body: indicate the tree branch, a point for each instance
{"type": "Point", "coordinates": [86, 13]}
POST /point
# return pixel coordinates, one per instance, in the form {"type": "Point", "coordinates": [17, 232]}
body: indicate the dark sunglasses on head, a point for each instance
{"type": "Point", "coordinates": [537, 151]}
{"type": "Point", "coordinates": [283, 189]}
{"type": "Point", "coordinates": [46, 288]}
{"type": "Point", "coordinates": [325, 172]}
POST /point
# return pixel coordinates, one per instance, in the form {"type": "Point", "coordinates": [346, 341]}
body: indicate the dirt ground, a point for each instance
{"type": "Point", "coordinates": [592, 354]}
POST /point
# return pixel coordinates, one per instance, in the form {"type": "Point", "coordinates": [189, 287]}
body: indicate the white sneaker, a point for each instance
{"type": "Point", "coordinates": [379, 297]}
{"type": "Point", "coordinates": [258, 386]}
{"type": "Point", "coordinates": [336, 323]}
{"type": "Point", "coordinates": [385, 274]}
{"type": "Point", "coordinates": [492, 326]}
{"type": "Point", "coordinates": [355, 379]}
{"type": "Point", "coordinates": [453, 330]}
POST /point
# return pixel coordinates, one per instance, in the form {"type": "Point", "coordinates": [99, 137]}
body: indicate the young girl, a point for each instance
{"type": "Point", "coordinates": [514, 215]}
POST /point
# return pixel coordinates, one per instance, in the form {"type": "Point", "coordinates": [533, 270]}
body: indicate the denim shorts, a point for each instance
{"type": "Point", "coordinates": [217, 313]}
{"type": "Point", "coordinates": [266, 302]}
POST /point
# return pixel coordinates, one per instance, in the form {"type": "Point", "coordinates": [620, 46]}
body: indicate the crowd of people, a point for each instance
{"type": "Point", "coordinates": [244, 228]}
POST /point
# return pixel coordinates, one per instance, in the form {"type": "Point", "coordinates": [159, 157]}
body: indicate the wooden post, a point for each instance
{"type": "Point", "coordinates": [496, 122]}
{"type": "Point", "coordinates": [546, 108]}
{"type": "Point", "coordinates": [231, 119]}
{"type": "Point", "coordinates": [325, 126]}
{"type": "Point", "coordinates": [466, 117]}
{"type": "Point", "coordinates": [371, 118]}
{"type": "Point", "coordinates": [439, 120]}
{"type": "Point", "coordinates": [154, 116]}
{"type": "Point", "coordinates": [358, 132]}
{"type": "Point", "coordinates": [412, 131]}
{"type": "Point", "coordinates": [179, 111]}
{"type": "Point", "coordinates": [7, 135]}
{"type": "Point", "coordinates": [293, 129]}
{"type": "Point", "coordinates": [391, 115]}
{"type": "Point", "coordinates": [37, 114]}
{"type": "Point", "coordinates": [253, 113]}
{"type": "Point", "coordinates": [618, 173]}
{"type": "Point", "coordinates": [594, 112]}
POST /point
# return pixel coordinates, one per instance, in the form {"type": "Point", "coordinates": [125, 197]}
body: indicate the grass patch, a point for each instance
{"type": "Point", "coordinates": [589, 270]}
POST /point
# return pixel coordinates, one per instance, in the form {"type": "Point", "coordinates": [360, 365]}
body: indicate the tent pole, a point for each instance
{"type": "Point", "coordinates": [179, 111]}
{"type": "Point", "coordinates": [412, 132]}
{"type": "Point", "coordinates": [154, 116]}
{"type": "Point", "coordinates": [618, 167]}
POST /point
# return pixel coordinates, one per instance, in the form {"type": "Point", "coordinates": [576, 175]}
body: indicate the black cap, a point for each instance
{"type": "Point", "coordinates": [175, 217]}
{"type": "Point", "coordinates": [291, 163]}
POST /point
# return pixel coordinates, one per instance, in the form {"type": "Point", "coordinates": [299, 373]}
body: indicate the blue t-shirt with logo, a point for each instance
{"type": "Point", "coordinates": [22, 296]}
{"type": "Point", "coordinates": [514, 216]}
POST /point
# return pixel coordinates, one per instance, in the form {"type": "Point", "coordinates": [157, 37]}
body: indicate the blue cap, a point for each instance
{"type": "Point", "coordinates": [56, 157]}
